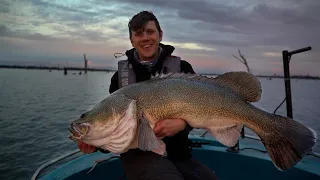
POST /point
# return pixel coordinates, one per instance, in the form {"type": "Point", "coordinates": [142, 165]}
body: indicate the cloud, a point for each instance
{"type": "Point", "coordinates": [203, 31]}
{"type": "Point", "coordinates": [272, 54]}
{"type": "Point", "coordinates": [4, 7]}
{"type": "Point", "coordinates": [190, 46]}
{"type": "Point", "coordinates": [4, 31]}
{"type": "Point", "coordinates": [7, 33]}
{"type": "Point", "coordinates": [259, 24]}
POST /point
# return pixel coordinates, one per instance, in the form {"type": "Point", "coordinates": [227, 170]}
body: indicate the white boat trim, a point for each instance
{"type": "Point", "coordinates": [45, 165]}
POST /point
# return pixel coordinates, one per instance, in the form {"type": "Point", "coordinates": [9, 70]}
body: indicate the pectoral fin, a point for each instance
{"type": "Point", "coordinates": [227, 135]}
{"type": "Point", "coordinates": [147, 140]}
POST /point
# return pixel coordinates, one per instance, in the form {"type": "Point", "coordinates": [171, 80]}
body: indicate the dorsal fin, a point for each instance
{"type": "Point", "coordinates": [244, 84]}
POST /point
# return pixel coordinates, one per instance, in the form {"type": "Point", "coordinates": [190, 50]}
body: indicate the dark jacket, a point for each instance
{"type": "Point", "coordinates": [179, 146]}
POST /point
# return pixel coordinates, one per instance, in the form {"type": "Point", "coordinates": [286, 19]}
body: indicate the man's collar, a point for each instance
{"type": "Point", "coordinates": [148, 63]}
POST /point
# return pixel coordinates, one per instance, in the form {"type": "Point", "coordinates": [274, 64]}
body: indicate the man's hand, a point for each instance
{"type": "Point", "coordinates": [169, 127]}
{"type": "Point", "coordinates": [86, 148]}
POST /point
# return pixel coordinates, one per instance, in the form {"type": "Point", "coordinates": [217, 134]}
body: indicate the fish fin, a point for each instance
{"type": "Point", "coordinates": [172, 75]}
{"type": "Point", "coordinates": [227, 135]}
{"type": "Point", "coordinates": [287, 145]}
{"type": "Point", "coordinates": [161, 150]}
{"type": "Point", "coordinates": [244, 84]}
{"type": "Point", "coordinates": [147, 139]}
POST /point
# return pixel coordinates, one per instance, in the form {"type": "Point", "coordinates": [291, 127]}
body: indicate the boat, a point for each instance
{"type": "Point", "coordinates": [251, 161]}
{"type": "Point", "coordinates": [248, 160]}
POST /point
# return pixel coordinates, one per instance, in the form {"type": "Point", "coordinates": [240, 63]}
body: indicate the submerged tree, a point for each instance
{"type": "Point", "coordinates": [243, 60]}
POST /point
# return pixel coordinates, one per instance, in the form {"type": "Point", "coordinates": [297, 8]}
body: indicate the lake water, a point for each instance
{"type": "Point", "coordinates": [36, 107]}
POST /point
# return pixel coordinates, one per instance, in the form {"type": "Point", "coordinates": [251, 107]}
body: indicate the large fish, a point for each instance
{"type": "Point", "coordinates": [125, 119]}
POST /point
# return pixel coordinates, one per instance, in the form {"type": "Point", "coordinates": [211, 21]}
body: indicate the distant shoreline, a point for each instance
{"type": "Point", "coordinates": [112, 70]}
{"type": "Point", "coordinates": [54, 68]}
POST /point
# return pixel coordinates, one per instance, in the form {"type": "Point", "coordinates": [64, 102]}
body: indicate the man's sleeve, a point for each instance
{"type": "Point", "coordinates": [114, 83]}
{"type": "Point", "coordinates": [186, 67]}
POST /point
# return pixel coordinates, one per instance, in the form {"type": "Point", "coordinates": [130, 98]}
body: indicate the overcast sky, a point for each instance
{"type": "Point", "coordinates": [204, 32]}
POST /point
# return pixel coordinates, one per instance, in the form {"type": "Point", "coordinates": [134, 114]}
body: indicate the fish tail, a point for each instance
{"type": "Point", "coordinates": [288, 142]}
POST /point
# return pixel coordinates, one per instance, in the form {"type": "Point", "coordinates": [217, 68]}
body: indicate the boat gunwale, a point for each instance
{"type": "Point", "coordinates": [196, 138]}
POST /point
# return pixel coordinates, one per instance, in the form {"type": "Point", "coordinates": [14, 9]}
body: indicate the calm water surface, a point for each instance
{"type": "Point", "coordinates": [36, 107]}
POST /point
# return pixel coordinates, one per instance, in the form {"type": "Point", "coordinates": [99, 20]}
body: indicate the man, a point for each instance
{"type": "Point", "coordinates": [148, 57]}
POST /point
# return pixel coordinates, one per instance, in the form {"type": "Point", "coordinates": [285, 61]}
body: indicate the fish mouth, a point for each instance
{"type": "Point", "coordinates": [78, 130]}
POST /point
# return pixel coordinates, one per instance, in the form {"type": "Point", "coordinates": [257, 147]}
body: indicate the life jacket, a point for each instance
{"type": "Point", "coordinates": [126, 74]}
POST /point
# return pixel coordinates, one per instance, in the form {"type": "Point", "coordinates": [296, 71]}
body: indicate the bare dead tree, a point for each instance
{"type": "Point", "coordinates": [243, 60]}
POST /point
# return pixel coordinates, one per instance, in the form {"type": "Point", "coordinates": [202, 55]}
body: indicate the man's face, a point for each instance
{"type": "Point", "coordinates": [146, 41]}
